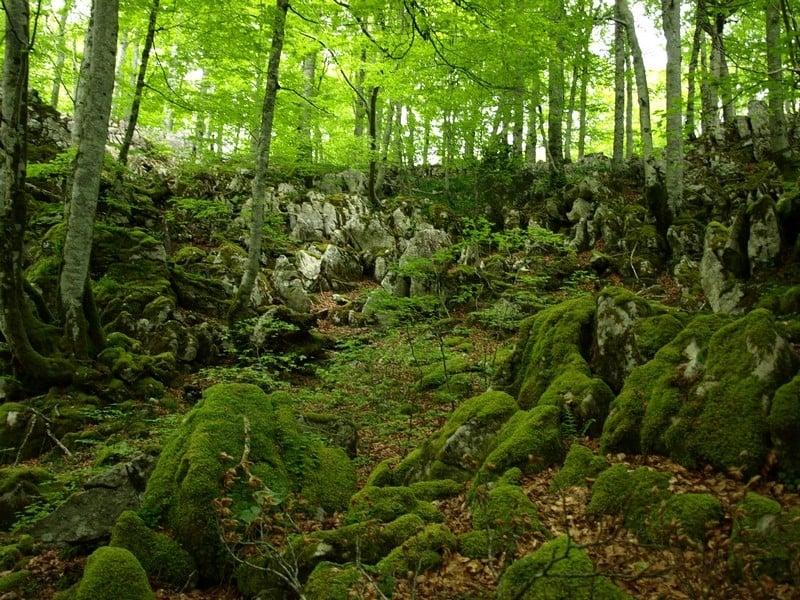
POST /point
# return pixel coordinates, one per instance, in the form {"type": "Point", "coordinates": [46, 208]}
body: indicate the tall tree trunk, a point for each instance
{"type": "Point", "coordinates": [14, 312]}
{"type": "Point", "coordinates": [372, 119]}
{"type": "Point", "coordinates": [671, 18]}
{"type": "Point", "coordinates": [241, 300]}
{"type": "Point", "coordinates": [643, 95]}
{"type": "Point", "coordinates": [90, 134]}
{"type": "Point", "coordinates": [628, 107]}
{"type": "Point", "coordinates": [583, 110]}
{"type": "Point", "coordinates": [360, 108]}
{"type": "Point", "coordinates": [777, 120]}
{"type": "Point", "coordinates": [618, 150]}
{"type": "Point", "coordinates": [573, 93]}
{"type": "Point", "coordinates": [691, 78]}
{"type": "Point", "coordinates": [139, 89]}
{"type": "Point", "coordinates": [305, 131]}
{"type": "Point", "coordinates": [709, 111]}
{"type": "Point", "coordinates": [61, 53]}
{"type": "Point", "coordinates": [555, 117]}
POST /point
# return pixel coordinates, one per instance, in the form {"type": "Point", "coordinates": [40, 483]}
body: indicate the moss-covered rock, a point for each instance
{"type": "Point", "coordinates": [331, 482]}
{"type": "Point", "coordinates": [113, 574]}
{"type": "Point", "coordinates": [418, 553]}
{"type": "Point", "coordinates": [579, 464]}
{"type": "Point", "coordinates": [545, 575]}
{"type": "Point", "coordinates": [329, 581]}
{"type": "Point", "coordinates": [436, 489]}
{"type": "Point", "coordinates": [582, 400]}
{"type": "Point", "coordinates": [161, 557]}
{"type": "Point", "coordinates": [461, 445]}
{"type": "Point", "coordinates": [688, 515]}
{"type": "Point", "coordinates": [189, 474]}
{"type": "Point", "coordinates": [784, 425]}
{"type": "Point", "coordinates": [550, 342]}
{"type": "Point", "coordinates": [531, 441]}
{"type": "Point", "coordinates": [387, 503]}
{"type": "Point", "coordinates": [13, 580]}
{"type": "Point", "coordinates": [479, 544]}
{"type": "Point", "coordinates": [620, 491]}
{"type": "Point", "coordinates": [504, 512]}
{"type": "Point", "coordinates": [766, 538]}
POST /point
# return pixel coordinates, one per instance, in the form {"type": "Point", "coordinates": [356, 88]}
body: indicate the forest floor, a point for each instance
{"type": "Point", "coordinates": [373, 377]}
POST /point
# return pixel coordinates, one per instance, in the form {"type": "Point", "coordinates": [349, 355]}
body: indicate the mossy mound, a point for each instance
{"type": "Point", "coordinates": [531, 441]}
{"type": "Point", "coordinates": [554, 341]}
{"type": "Point", "coordinates": [436, 489]}
{"type": "Point", "coordinates": [546, 575]}
{"type": "Point", "coordinates": [705, 397]}
{"type": "Point", "coordinates": [14, 579]}
{"type": "Point", "coordinates": [189, 474]}
{"type": "Point", "coordinates": [784, 425]}
{"type": "Point", "coordinates": [505, 512]}
{"type": "Point", "coordinates": [113, 574]}
{"type": "Point", "coordinates": [329, 581]}
{"type": "Point", "coordinates": [388, 503]}
{"type": "Point", "coordinates": [766, 539]}
{"type": "Point", "coordinates": [579, 464]}
{"type": "Point", "coordinates": [161, 557]}
{"type": "Point", "coordinates": [620, 491]}
{"type": "Point", "coordinates": [458, 448]}
{"type": "Point", "coordinates": [419, 553]}
{"type": "Point", "coordinates": [684, 515]}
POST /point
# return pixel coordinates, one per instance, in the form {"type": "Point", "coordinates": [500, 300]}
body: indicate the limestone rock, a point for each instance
{"type": "Point", "coordinates": [289, 286]}
{"type": "Point", "coordinates": [723, 290]}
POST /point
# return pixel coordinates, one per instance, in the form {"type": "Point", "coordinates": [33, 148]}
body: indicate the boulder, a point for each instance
{"type": "Point", "coordinates": [89, 515]}
{"type": "Point", "coordinates": [113, 574]}
{"type": "Point", "coordinates": [720, 285]}
{"type": "Point", "coordinates": [289, 286]}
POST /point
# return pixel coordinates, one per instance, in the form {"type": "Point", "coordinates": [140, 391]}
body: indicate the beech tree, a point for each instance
{"type": "Point", "coordinates": [671, 19]}
{"type": "Point", "coordinates": [90, 132]}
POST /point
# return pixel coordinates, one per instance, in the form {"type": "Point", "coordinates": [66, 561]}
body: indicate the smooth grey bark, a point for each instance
{"type": "Point", "coordinates": [691, 78]}
{"type": "Point", "coordinates": [582, 122]}
{"type": "Point", "coordinates": [360, 106]}
{"type": "Point", "coordinates": [628, 107]}
{"type": "Point", "coordinates": [673, 176]}
{"type": "Point", "coordinates": [61, 52]}
{"type": "Point", "coordinates": [241, 300]}
{"type": "Point", "coordinates": [779, 141]}
{"type": "Point", "coordinates": [643, 95]}
{"type": "Point", "coordinates": [92, 112]}
{"type": "Point", "coordinates": [305, 133]}
{"type": "Point", "coordinates": [573, 94]}
{"type": "Point", "coordinates": [555, 117]}
{"type": "Point", "coordinates": [618, 148]}
{"type": "Point", "coordinates": [140, 78]}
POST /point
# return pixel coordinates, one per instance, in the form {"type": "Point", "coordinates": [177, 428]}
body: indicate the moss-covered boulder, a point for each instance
{"type": "Point", "coordinates": [504, 512]}
{"type": "Point", "coordinates": [633, 494]}
{"type": "Point", "coordinates": [330, 581]}
{"type": "Point", "coordinates": [458, 448]}
{"type": "Point", "coordinates": [554, 341]}
{"type": "Point", "coordinates": [580, 464]}
{"type": "Point", "coordinates": [784, 425]}
{"type": "Point", "coordinates": [387, 503]}
{"type": "Point", "coordinates": [161, 557]}
{"type": "Point", "coordinates": [13, 580]}
{"type": "Point", "coordinates": [705, 398]}
{"type": "Point", "coordinates": [766, 538]}
{"type": "Point", "coordinates": [545, 575]}
{"type": "Point", "coordinates": [19, 487]}
{"type": "Point", "coordinates": [114, 574]}
{"type": "Point", "coordinates": [684, 516]}
{"type": "Point", "coordinates": [419, 553]}
{"type": "Point", "coordinates": [530, 440]}
{"type": "Point", "coordinates": [189, 474]}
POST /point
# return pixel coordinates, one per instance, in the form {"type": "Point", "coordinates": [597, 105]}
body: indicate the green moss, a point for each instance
{"type": "Point", "coordinates": [580, 464]}
{"type": "Point", "coordinates": [113, 574]}
{"type": "Point", "coordinates": [382, 474]}
{"type": "Point", "coordinates": [653, 333]}
{"type": "Point", "coordinates": [684, 514]}
{"type": "Point", "coordinates": [506, 510]}
{"type": "Point", "coordinates": [531, 440]}
{"type": "Point", "coordinates": [479, 544]}
{"type": "Point", "coordinates": [629, 493]}
{"type": "Point", "coordinates": [434, 376]}
{"type": "Point", "coordinates": [766, 539]}
{"type": "Point", "coordinates": [418, 553]}
{"type": "Point", "coordinates": [443, 455]}
{"type": "Point", "coordinates": [188, 476]}
{"type": "Point", "coordinates": [784, 423]}
{"type": "Point", "coordinates": [436, 489]}
{"type": "Point", "coordinates": [331, 482]}
{"type": "Point", "coordinates": [550, 341]}
{"type": "Point", "coordinates": [387, 503]}
{"type": "Point", "coordinates": [331, 582]}
{"type": "Point", "coordinates": [28, 477]}
{"type": "Point", "coordinates": [587, 398]}
{"type": "Point", "coordinates": [160, 556]}
{"type": "Point", "coordinates": [14, 580]}
{"type": "Point", "coordinates": [545, 575]}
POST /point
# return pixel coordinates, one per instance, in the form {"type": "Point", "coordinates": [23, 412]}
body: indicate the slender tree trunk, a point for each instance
{"type": "Point", "coordinates": [671, 17]}
{"type": "Point", "coordinates": [583, 110]}
{"type": "Point", "coordinates": [305, 131]}
{"type": "Point", "coordinates": [140, 78]}
{"type": "Point", "coordinates": [721, 73]}
{"type": "Point", "coordinates": [360, 109]}
{"type": "Point", "coordinates": [61, 53]}
{"type": "Point", "coordinates": [643, 94]}
{"type": "Point", "coordinates": [555, 117]}
{"type": "Point", "coordinates": [709, 112]}
{"type": "Point", "coordinates": [617, 155]}
{"type": "Point", "coordinates": [573, 93]}
{"type": "Point", "coordinates": [519, 122]}
{"type": "Point", "coordinates": [91, 133]}
{"type": "Point", "coordinates": [372, 120]}
{"type": "Point", "coordinates": [777, 120]}
{"type": "Point", "coordinates": [410, 140]}
{"type": "Point", "coordinates": [628, 107]}
{"type": "Point", "coordinates": [241, 300]}
{"type": "Point", "coordinates": [691, 77]}
{"type": "Point", "coordinates": [426, 141]}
